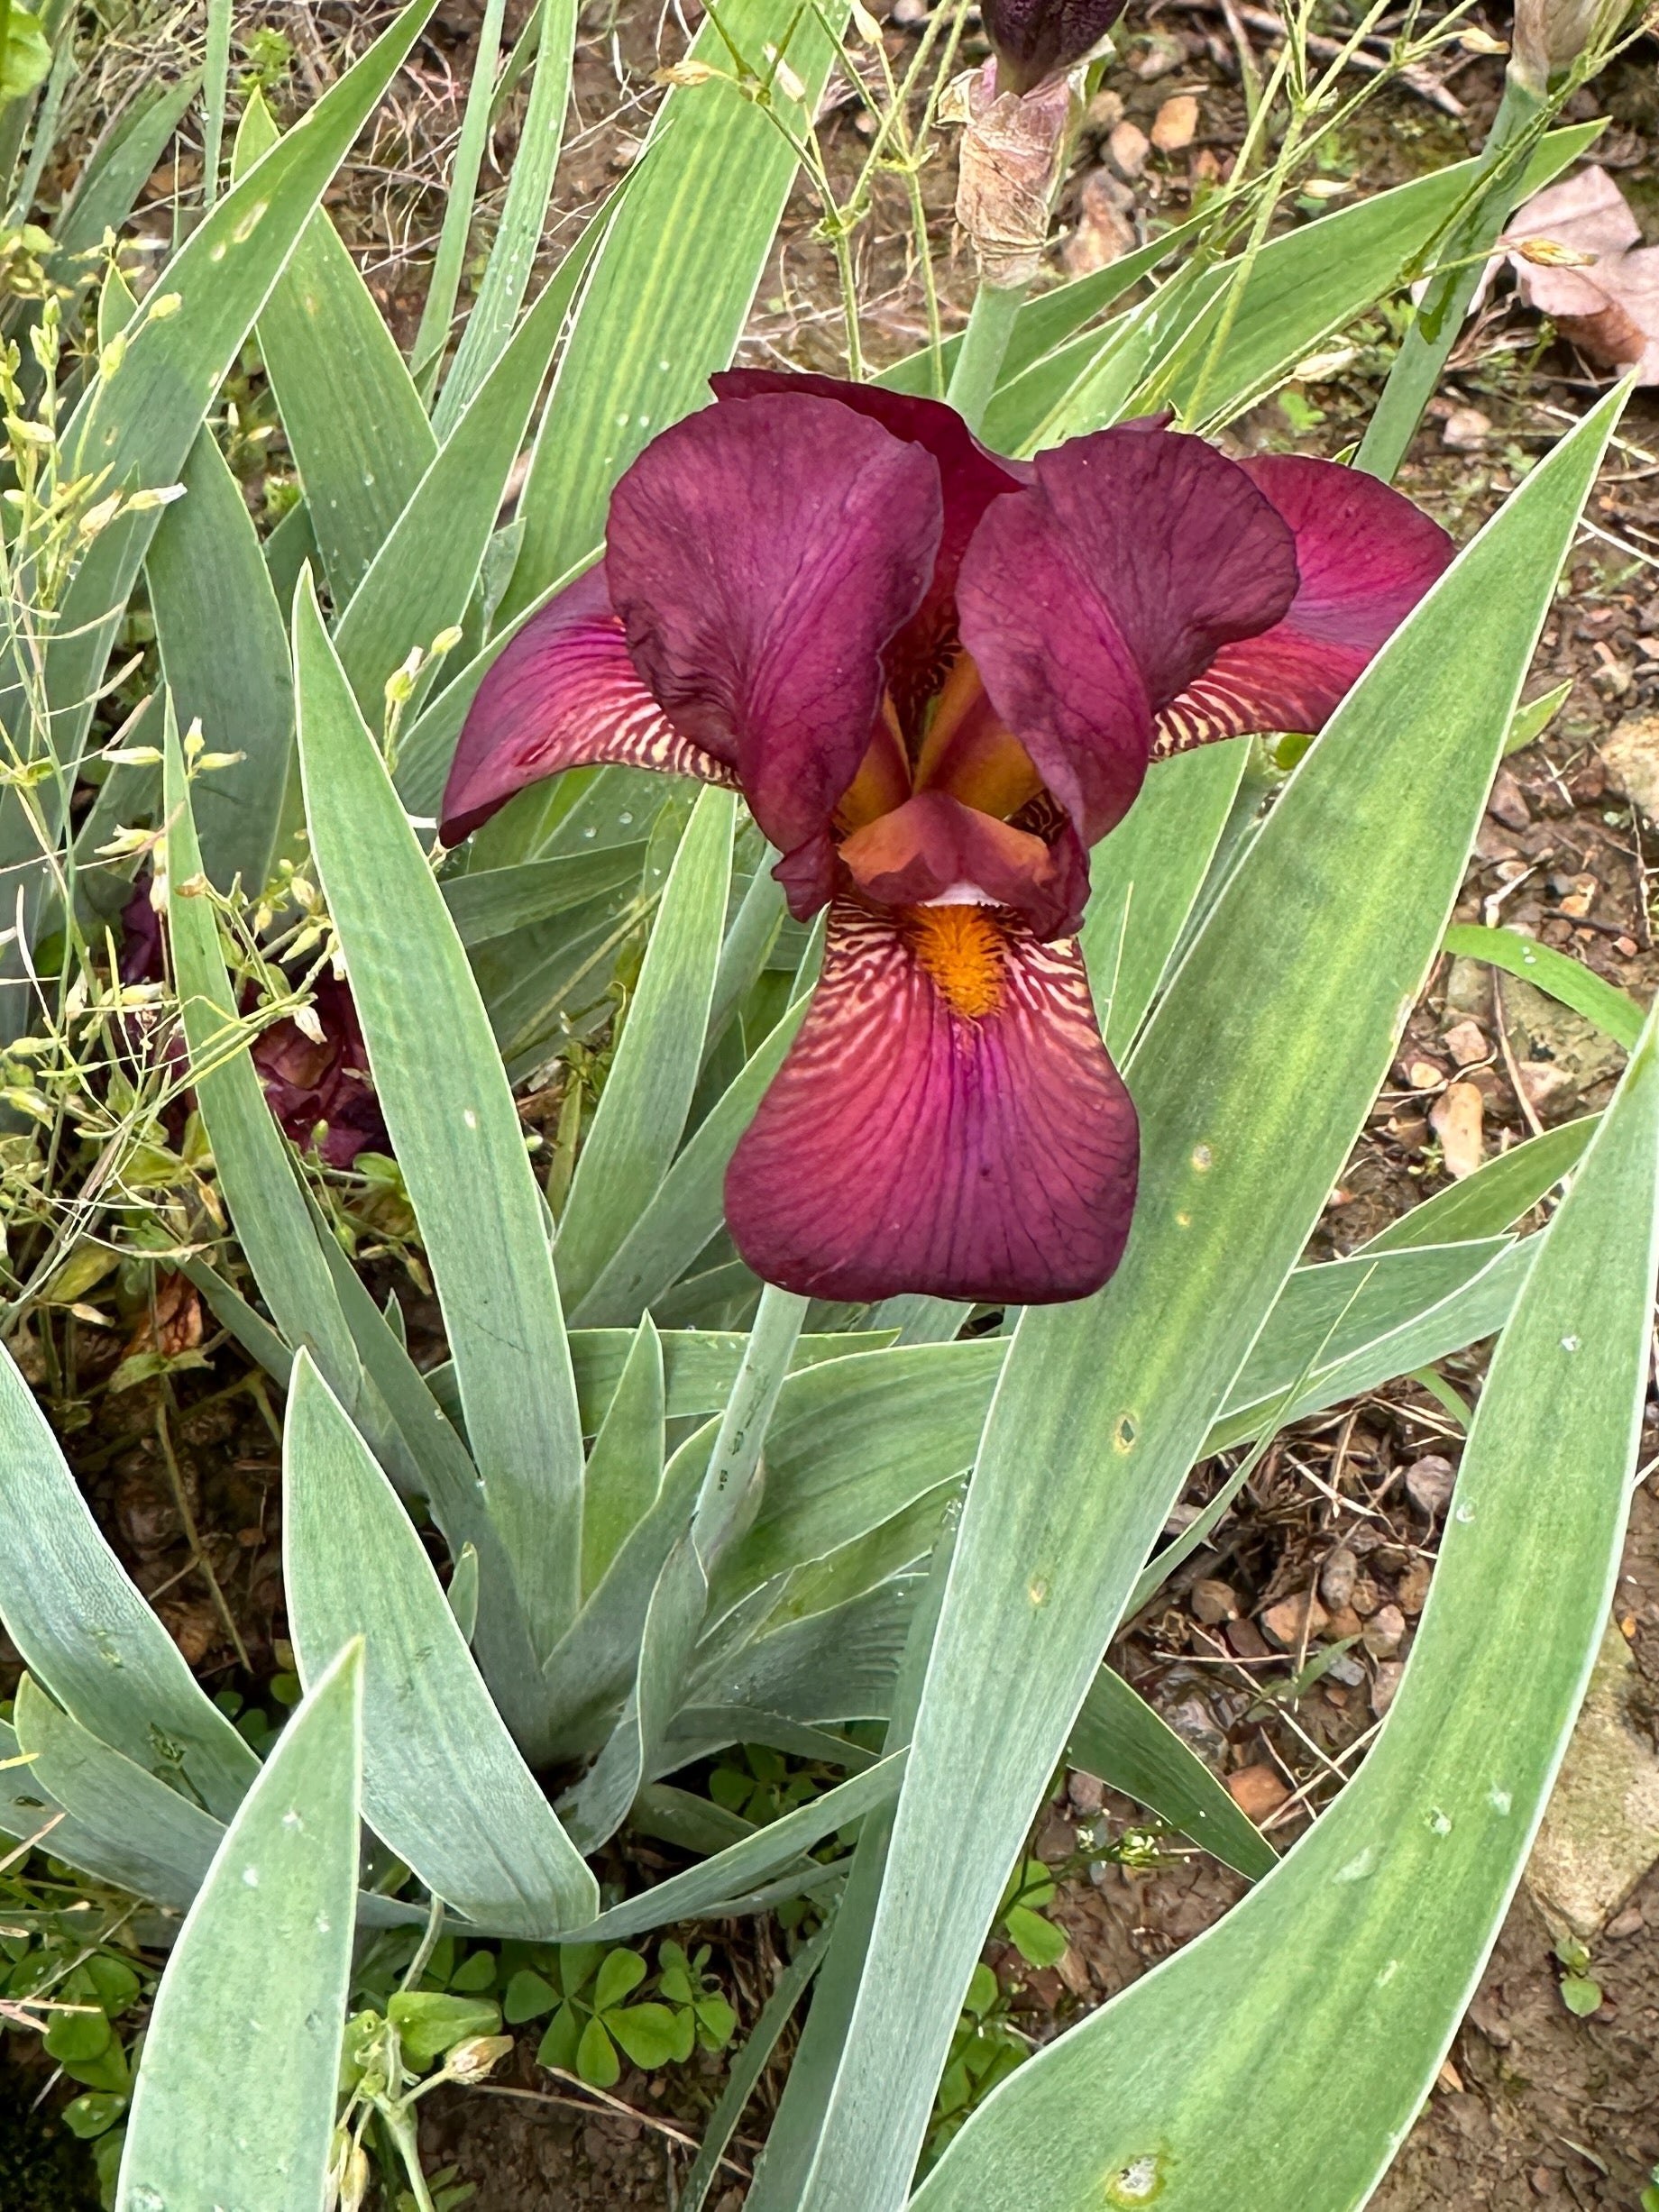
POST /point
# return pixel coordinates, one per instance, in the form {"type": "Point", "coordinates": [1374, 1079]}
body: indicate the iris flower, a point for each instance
{"type": "Point", "coordinates": [937, 678]}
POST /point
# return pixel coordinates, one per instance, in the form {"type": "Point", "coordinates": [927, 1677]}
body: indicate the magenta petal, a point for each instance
{"type": "Point", "coordinates": [1366, 556]}
{"type": "Point", "coordinates": [970, 477]}
{"type": "Point", "coordinates": [933, 845]}
{"type": "Point", "coordinates": [562, 694]}
{"type": "Point", "coordinates": [906, 1147]}
{"type": "Point", "coordinates": [761, 557]}
{"type": "Point", "coordinates": [1093, 599]}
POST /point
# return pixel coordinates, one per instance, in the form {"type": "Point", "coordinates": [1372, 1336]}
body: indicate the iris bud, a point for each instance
{"type": "Point", "coordinates": [1036, 40]}
{"type": "Point", "coordinates": [1551, 34]}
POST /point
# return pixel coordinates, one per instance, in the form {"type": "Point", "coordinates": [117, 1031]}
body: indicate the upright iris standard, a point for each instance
{"type": "Point", "coordinates": [938, 677]}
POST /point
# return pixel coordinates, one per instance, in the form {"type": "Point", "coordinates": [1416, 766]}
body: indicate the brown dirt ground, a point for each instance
{"type": "Point", "coordinates": [1534, 2103]}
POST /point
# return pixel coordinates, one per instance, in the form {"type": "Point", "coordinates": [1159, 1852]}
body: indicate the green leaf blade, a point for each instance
{"type": "Point", "coordinates": [444, 1785]}
{"type": "Point", "coordinates": [224, 647]}
{"type": "Point", "coordinates": [1395, 1897]}
{"type": "Point", "coordinates": [456, 1135]}
{"type": "Point", "coordinates": [83, 1628]}
{"type": "Point", "coordinates": [1611, 1009]}
{"type": "Point", "coordinates": [235, 2101]}
{"type": "Point", "coordinates": [648, 1092]}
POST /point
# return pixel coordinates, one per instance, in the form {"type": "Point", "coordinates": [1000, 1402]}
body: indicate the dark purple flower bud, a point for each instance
{"type": "Point", "coordinates": [1034, 39]}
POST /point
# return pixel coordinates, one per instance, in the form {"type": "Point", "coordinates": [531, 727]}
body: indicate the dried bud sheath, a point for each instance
{"type": "Point", "coordinates": [1012, 160]}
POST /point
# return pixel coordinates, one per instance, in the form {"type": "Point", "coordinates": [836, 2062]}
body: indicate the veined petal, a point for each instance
{"type": "Point", "coordinates": [970, 477]}
{"type": "Point", "coordinates": [909, 1145]}
{"type": "Point", "coordinates": [1092, 599]}
{"type": "Point", "coordinates": [933, 846]}
{"type": "Point", "coordinates": [1366, 556]}
{"type": "Point", "coordinates": [562, 694]}
{"type": "Point", "coordinates": [761, 557]}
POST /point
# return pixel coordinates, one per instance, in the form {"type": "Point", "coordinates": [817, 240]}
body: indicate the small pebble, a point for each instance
{"type": "Point", "coordinates": [1343, 1623]}
{"type": "Point", "coordinates": [1428, 1485]}
{"type": "Point", "coordinates": [1364, 1597]}
{"type": "Point", "coordinates": [1176, 123]}
{"type": "Point", "coordinates": [1546, 2182]}
{"type": "Point", "coordinates": [1412, 1589]}
{"type": "Point", "coordinates": [1630, 1922]}
{"type": "Point", "coordinates": [1507, 802]}
{"type": "Point", "coordinates": [1086, 1792]}
{"type": "Point", "coordinates": [1128, 147]}
{"type": "Point", "coordinates": [1245, 1640]}
{"type": "Point", "coordinates": [1347, 1669]}
{"type": "Point", "coordinates": [1213, 1602]}
{"type": "Point", "coordinates": [1423, 1075]}
{"type": "Point", "coordinates": [1257, 1791]}
{"type": "Point", "coordinates": [1294, 1618]}
{"type": "Point", "coordinates": [1163, 53]}
{"type": "Point", "coordinates": [1383, 1631]}
{"type": "Point", "coordinates": [1456, 1119]}
{"type": "Point", "coordinates": [1384, 1684]}
{"type": "Point", "coordinates": [1105, 112]}
{"type": "Point", "coordinates": [1466, 430]}
{"type": "Point", "coordinates": [1337, 1578]}
{"type": "Point", "coordinates": [1466, 1043]}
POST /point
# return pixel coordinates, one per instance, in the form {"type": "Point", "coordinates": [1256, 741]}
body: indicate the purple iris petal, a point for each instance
{"type": "Point", "coordinates": [322, 1094]}
{"type": "Point", "coordinates": [970, 477]}
{"type": "Point", "coordinates": [906, 1145]}
{"type": "Point", "coordinates": [1366, 557]}
{"type": "Point", "coordinates": [562, 694]}
{"type": "Point", "coordinates": [1092, 599]}
{"type": "Point", "coordinates": [760, 558]}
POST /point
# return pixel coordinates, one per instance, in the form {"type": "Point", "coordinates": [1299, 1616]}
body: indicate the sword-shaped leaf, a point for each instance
{"type": "Point", "coordinates": [444, 1784]}
{"type": "Point", "coordinates": [457, 1137]}
{"type": "Point", "coordinates": [234, 2100]}
{"type": "Point", "coordinates": [1187, 2091]}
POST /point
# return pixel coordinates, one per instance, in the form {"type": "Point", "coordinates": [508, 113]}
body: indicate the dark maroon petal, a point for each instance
{"type": "Point", "coordinates": [970, 477]}
{"type": "Point", "coordinates": [562, 694]}
{"type": "Point", "coordinates": [321, 1092]}
{"type": "Point", "coordinates": [1034, 39]}
{"type": "Point", "coordinates": [933, 845]}
{"type": "Point", "coordinates": [761, 557]}
{"type": "Point", "coordinates": [1366, 557]}
{"type": "Point", "coordinates": [809, 875]}
{"type": "Point", "coordinates": [907, 1146]}
{"type": "Point", "coordinates": [1092, 599]}
{"type": "Point", "coordinates": [141, 960]}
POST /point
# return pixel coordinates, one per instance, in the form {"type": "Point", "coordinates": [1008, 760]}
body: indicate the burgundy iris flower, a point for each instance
{"type": "Point", "coordinates": [319, 1088]}
{"type": "Point", "coordinates": [938, 677]}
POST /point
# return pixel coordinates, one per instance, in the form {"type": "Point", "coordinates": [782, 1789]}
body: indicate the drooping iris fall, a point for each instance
{"type": "Point", "coordinates": [938, 677]}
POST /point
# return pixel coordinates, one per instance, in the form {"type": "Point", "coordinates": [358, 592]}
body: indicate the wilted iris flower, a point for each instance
{"type": "Point", "coordinates": [317, 1078]}
{"type": "Point", "coordinates": [938, 677]}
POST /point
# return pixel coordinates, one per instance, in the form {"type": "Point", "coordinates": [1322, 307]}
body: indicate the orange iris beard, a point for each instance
{"type": "Point", "coordinates": [962, 948]}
